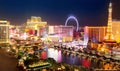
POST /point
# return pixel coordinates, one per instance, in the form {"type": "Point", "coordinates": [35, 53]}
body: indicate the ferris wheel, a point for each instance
{"type": "Point", "coordinates": [73, 18]}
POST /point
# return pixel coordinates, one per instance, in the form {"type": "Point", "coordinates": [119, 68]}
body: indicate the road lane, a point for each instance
{"type": "Point", "coordinates": [7, 62]}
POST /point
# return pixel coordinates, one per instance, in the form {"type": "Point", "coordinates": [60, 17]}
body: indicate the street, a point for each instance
{"type": "Point", "coordinates": [7, 62]}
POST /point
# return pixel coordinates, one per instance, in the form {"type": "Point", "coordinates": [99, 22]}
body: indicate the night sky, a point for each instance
{"type": "Point", "coordinates": [88, 12]}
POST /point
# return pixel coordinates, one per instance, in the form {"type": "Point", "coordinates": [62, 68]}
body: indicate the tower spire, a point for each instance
{"type": "Point", "coordinates": [109, 35]}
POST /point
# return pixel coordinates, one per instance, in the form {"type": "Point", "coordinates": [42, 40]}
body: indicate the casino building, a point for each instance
{"type": "Point", "coordinates": [4, 31]}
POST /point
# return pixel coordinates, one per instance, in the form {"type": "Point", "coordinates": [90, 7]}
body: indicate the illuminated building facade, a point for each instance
{"type": "Point", "coordinates": [36, 26]}
{"type": "Point", "coordinates": [16, 31]}
{"type": "Point", "coordinates": [4, 31]}
{"type": "Point", "coordinates": [96, 34]}
{"type": "Point", "coordinates": [63, 32]}
{"type": "Point", "coordinates": [12, 31]}
{"type": "Point", "coordinates": [116, 29]}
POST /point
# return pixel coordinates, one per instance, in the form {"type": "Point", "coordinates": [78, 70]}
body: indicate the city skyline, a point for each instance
{"type": "Point", "coordinates": [56, 12]}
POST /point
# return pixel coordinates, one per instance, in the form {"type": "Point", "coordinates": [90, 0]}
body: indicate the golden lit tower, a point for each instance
{"type": "Point", "coordinates": [109, 35]}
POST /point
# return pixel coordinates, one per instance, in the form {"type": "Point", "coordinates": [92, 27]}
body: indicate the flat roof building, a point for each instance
{"type": "Point", "coordinates": [96, 33]}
